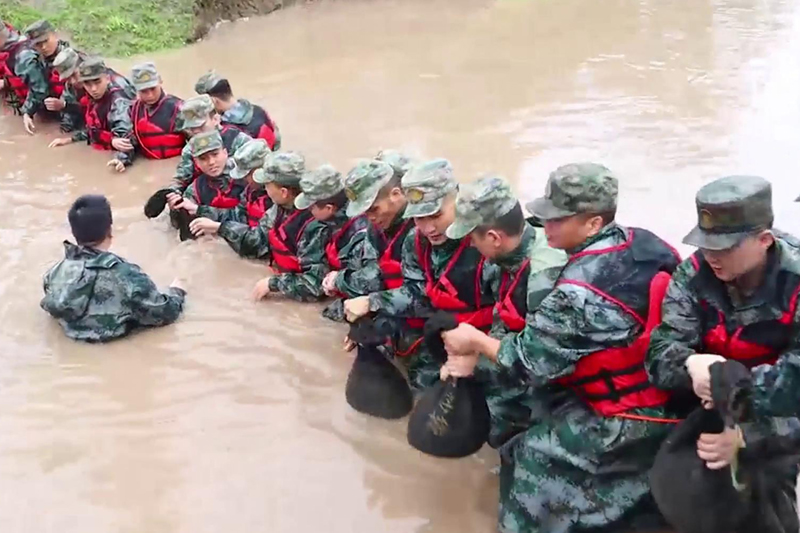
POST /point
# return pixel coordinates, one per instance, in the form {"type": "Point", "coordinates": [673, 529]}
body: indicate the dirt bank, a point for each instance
{"type": "Point", "coordinates": [209, 12]}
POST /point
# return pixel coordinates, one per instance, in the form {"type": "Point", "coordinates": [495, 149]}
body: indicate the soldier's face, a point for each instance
{"type": "Point", "coordinates": [150, 96]}
{"type": "Point", "coordinates": [385, 208]}
{"type": "Point", "coordinates": [433, 227]}
{"type": "Point", "coordinates": [570, 232]}
{"type": "Point", "coordinates": [97, 88]}
{"type": "Point", "coordinates": [213, 163]}
{"type": "Point", "coordinates": [747, 256]}
{"type": "Point", "coordinates": [49, 46]}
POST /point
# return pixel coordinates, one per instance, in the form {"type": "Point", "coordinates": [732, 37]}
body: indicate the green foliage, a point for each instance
{"type": "Point", "coordinates": [112, 28]}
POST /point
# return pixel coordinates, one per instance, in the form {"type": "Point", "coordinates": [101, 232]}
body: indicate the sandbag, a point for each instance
{"type": "Point", "coordinates": [694, 499]}
{"type": "Point", "coordinates": [182, 220]}
{"type": "Point", "coordinates": [156, 203]}
{"type": "Point", "coordinates": [451, 418]}
{"type": "Point", "coordinates": [375, 386]}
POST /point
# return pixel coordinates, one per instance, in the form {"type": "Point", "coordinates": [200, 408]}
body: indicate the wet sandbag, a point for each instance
{"type": "Point", "coordinates": [156, 203]}
{"type": "Point", "coordinates": [451, 418]}
{"type": "Point", "coordinates": [375, 386]}
{"type": "Point", "coordinates": [180, 219]}
{"type": "Point", "coordinates": [751, 497]}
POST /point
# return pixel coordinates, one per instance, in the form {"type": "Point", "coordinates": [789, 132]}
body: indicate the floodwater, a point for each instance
{"type": "Point", "coordinates": [234, 419]}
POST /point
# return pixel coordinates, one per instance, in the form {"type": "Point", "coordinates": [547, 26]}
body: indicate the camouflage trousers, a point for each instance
{"type": "Point", "coordinates": [575, 471]}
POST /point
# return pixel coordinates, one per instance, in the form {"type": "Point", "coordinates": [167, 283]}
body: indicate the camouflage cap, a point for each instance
{"type": "Point", "coordinates": [91, 68]}
{"type": "Point", "coordinates": [426, 186]}
{"type": "Point", "coordinates": [399, 162]}
{"type": "Point", "coordinates": [39, 31]}
{"type": "Point", "coordinates": [205, 142]}
{"type": "Point", "coordinates": [250, 156]}
{"type": "Point", "coordinates": [207, 82]}
{"type": "Point", "coordinates": [480, 203]}
{"type": "Point", "coordinates": [283, 168]}
{"type": "Point", "coordinates": [576, 188]}
{"type": "Point", "coordinates": [363, 183]}
{"type": "Point", "coordinates": [730, 209]}
{"type": "Point", "coordinates": [145, 76]}
{"type": "Point", "coordinates": [320, 184]}
{"type": "Point", "coordinates": [195, 111]}
{"type": "Point", "coordinates": [66, 62]}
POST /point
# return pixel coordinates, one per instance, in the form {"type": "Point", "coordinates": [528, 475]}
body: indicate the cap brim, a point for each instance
{"type": "Point", "coordinates": [459, 229]}
{"type": "Point", "coordinates": [145, 86]}
{"type": "Point", "coordinates": [713, 241]}
{"type": "Point", "coordinates": [359, 207]}
{"type": "Point", "coordinates": [544, 209]}
{"type": "Point", "coordinates": [89, 78]}
{"type": "Point", "coordinates": [423, 209]}
{"type": "Point", "coordinates": [195, 124]}
{"type": "Point", "coordinates": [302, 201]}
{"type": "Point", "coordinates": [40, 39]}
{"type": "Point", "coordinates": [237, 173]}
{"type": "Point", "coordinates": [67, 73]}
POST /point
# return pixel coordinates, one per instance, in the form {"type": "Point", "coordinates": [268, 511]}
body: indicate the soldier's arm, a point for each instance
{"type": "Point", "coordinates": [361, 275]}
{"type": "Point", "coordinates": [189, 192]}
{"type": "Point", "coordinates": [776, 388]}
{"type": "Point", "coordinates": [678, 335]}
{"type": "Point", "coordinates": [570, 323]}
{"type": "Point", "coordinates": [119, 121]}
{"type": "Point", "coordinates": [32, 71]}
{"type": "Point", "coordinates": [71, 114]}
{"type": "Point", "coordinates": [235, 214]}
{"type": "Point", "coordinates": [306, 286]}
{"type": "Point", "coordinates": [252, 243]}
{"type": "Point", "coordinates": [148, 305]}
{"type": "Point", "coordinates": [408, 300]}
{"type": "Point", "coordinates": [184, 172]}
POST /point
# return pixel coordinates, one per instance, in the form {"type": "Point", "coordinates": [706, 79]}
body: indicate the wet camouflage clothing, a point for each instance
{"type": "Point", "coordinates": [251, 243]}
{"type": "Point", "coordinates": [98, 296]}
{"type": "Point", "coordinates": [306, 286]}
{"type": "Point", "coordinates": [31, 69]}
{"type": "Point", "coordinates": [575, 469]}
{"type": "Point", "coordinates": [185, 171]}
{"type": "Point", "coordinates": [72, 116]}
{"type": "Point", "coordinates": [241, 115]}
{"type": "Point", "coordinates": [237, 214]}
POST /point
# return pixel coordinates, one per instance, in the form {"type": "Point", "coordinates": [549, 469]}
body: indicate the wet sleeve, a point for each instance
{"type": "Point", "coordinates": [678, 336]}
{"type": "Point", "coordinates": [32, 71]}
{"type": "Point", "coordinates": [184, 172]}
{"type": "Point", "coordinates": [252, 243]}
{"type": "Point", "coordinates": [306, 286]}
{"type": "Point", "coordinates": [71, 119]}
{"type": "Point", "coordinates": [361, 274]}
{"type": "Point", "coordinates": [776, 388]}
{"type": "Point", "coordinates": [572, 322]}
{"type": "Point", "coordinates": [408, 300]}
{"type": "Point", "coordinates": [235, 214]}
{"type": "Point", "coordinates": [189, 192]}
{"type": "Point", "coordinates": [149, 306]}
{"type": "Point", "coordinates": [119, 120]}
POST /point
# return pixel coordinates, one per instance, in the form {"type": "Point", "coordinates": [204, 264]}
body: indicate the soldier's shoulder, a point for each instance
{"type": "Point", "coordinates": [789, 249]}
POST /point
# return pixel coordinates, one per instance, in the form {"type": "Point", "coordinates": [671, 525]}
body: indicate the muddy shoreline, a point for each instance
{"type": "Point", "coordinates": [209, 13]}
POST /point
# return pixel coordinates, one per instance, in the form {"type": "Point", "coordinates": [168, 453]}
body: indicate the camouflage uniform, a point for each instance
{"type": "Point", "coordinates": [200, 144]}
{"type": "Point", "coordinates": [426, 186]}
{"type": "Point", "coordinates": [193, 114]}
{"type": "Point", "coordinates": [729, 210]}
{"type": "Point", "coordinates": [285, 169]}
{"type": "Point", "coordinates": [513, 404]}
{"type": "Point", "coordinates": [398, 161]}
{"type": "Point", "coordinates": [576, 470]}
{"type": "Point", "coordinates": [98, 296]}
{"type": "Point", "coordinates": [31, 70]}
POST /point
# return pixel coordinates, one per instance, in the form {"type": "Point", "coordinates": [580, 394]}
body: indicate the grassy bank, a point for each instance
{"type": "Point", "coordinates": [113, 28]}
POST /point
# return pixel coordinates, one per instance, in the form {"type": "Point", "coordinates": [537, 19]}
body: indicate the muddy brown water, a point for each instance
{"type": "Point", "coordinates": [235, 419]}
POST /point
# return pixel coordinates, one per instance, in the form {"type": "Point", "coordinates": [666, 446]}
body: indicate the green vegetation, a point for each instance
{"type": "Point", "coordinates": [113, 28]}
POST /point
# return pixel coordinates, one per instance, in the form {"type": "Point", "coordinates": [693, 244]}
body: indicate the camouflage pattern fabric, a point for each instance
{"type": "Point", "coordinates": [251, 243]}
{"type": "Point", "coordinates": [577, 188]}
{"type": "Point", "coordinates": [98, 296]}
{"type": "Point", "coordinates": [72, 118]}
{"type": "Point", "coordinates": [31, 69]}
{"type": "Point", "coordinates": [184, 172]}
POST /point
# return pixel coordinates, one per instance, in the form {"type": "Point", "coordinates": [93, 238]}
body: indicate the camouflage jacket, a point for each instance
{"type": "Point", "coordinates": [33, 72]}
{"type": "Point", "coordinates": [410, 299]}
{"type": "Point", "coordinates": [306, 286]}
{"type": "Point", "coordinates": [72, 116]}
{"type": "Point", "coordinates": [238, 213]}
{"type": "Point", "coordinates": [120, 124]}
{"type": "Point", "coordinates": [98, 296]}
{"type": "Point", "coordinates": [776, 387]}
{"type": "Point", "coordinates": [185, 171]}
{"type": "Point", "coordinates": [223, 181]}
{"type": "Point", "coordinates": [240, 115]}
{"type": "Point", "coordinates": [252, 243]}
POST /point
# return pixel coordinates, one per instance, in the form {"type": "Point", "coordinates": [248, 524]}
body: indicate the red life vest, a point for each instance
{"type": "Point", "coordinates": [228, 135]}
{"type": "Point", "coordinates": [55, 82]}
{"type": "Point", "coordinates": [97, 128]}
{"type": "Point", "coordinates": [258, 201]}
{"type": "Point", "coordinates": [753, 344]}
{"type": "Point", "coordinates": [340, 239]}
{"type": "Point", "coordinates": [208, 192]}
{"type": "Point", "coordinates": [390, 260]}
{"type": "Point", "coordinates": [512, 302]}
{"type": "Point", "coordinates": [14, 83]}
{"type": "Point", "coordinates": [259, 127]}
{"type": "Point", "coordinates": [284, 238]}
{"type": "Point", "coordinates": [155, 130]}
{"type": "Point", "coordinates": [460, 294]}
{"type": "Point", "coordinates": [614, 380]}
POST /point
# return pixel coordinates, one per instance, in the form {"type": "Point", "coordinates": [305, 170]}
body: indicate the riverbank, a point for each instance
{"type": "Point", "coordinates": [121, 28]}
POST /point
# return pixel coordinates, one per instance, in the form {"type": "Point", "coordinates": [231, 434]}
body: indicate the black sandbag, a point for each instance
{"type": "Point", "coordinates": [182, 220]}
{"type": "Point", "coordinates": [375, 386]}
{"type": "Point", "coordinates": [451, 418]}
{"type": "Point", "coordinates": [156, 203]}
{"type": "Point", "coordinates": [694, 499]}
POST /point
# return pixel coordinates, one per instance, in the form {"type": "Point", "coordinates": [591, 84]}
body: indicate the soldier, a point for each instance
{"type": "Point", "coordinates": [735, 298]}
{"type": "Point", "coordinates": [44, 39]}
{"type": "Point", "coordinates": [254, 201]}
{"type": "Point", "coordinates": [155, 115]}
{"type": "Point", "coordinates": [302, 267]}
{"type": "Point", "coordinates": [96, 295]}
{"type": "Point", "coordinates": [214, 187]}
{"type": "Point", "coordinates": [239, 113]}
{"type": "Point", "coordinates": [108, 120]}
{"type": "Point", "coordinates": [281, 229]}
{"type": "Point", "coordinates": [23, 80]}
{"type": "Point", "coordinates": [438, 273]}
{"type": "Point", "coordinates": [585, 466]}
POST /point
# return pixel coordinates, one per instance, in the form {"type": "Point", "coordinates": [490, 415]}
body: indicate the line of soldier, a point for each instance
{"type": "Point", "coordinates": [43, 76]}
{"type": "Point", "coordinates": [590, 337]}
